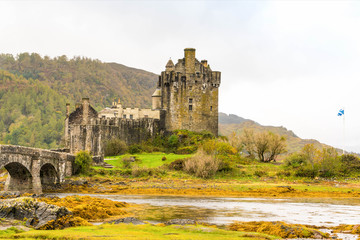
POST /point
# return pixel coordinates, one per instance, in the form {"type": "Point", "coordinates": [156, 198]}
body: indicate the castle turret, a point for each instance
{"type": "Point", "coordinates": [156, 99]}
{"type": "Point", "coordinates": [189, 94]}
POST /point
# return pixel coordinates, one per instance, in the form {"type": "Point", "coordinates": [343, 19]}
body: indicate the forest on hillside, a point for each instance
{"type": "Point", "coordinates": [35, 89]}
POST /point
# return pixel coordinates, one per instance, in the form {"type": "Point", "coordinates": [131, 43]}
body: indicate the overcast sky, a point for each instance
{"type": "Point", "coordinates": [283, 63]}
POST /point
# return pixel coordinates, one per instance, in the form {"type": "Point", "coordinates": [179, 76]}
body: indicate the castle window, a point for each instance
{"type": "Point", "coordinates": [124, 116]}
{"type": "Point", "coordinates": [190, 108]}
{"type": "Point", "coordinates": [210, 108]}
{"type": "Point", "coordinates": [131, 116]}
{"type": "Point", "coordinates": [190, 100]}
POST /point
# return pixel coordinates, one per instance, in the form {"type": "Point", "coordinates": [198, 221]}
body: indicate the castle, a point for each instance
{"type": "Point", "coordinates": [186, 97]}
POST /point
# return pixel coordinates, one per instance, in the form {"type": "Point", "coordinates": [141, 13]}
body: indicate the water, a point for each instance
{"type": "Point", "coordinates": [218, 210]}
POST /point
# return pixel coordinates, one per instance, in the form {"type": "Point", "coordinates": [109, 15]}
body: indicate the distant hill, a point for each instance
{"type": "Point", "coordinates": [83, 77]}
{"type": "Point", "coordinates": [34, 90]}
{"type": "Point", "coordinates": [232, 123]}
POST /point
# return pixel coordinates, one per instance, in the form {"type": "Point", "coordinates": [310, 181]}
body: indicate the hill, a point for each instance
{"type": "Point", "coordinates": [232, 123]}
{"type": "Point", "coordinates": [83, 77]}
{"type": "Point", "coordinates": [34, 90]}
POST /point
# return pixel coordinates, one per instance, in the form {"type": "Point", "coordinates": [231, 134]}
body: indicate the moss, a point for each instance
{"type": "Point", "coordinates": [89, 208]}
{"type": "Point", "coordinates": [343, 228]}
{"type": "Point", "coordinates": [280, 229]}
{"type": "Point", "coordinates": [64, 222]}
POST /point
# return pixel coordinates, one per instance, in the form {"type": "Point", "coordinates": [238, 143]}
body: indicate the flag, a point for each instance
{"type": "Point", "coordinates": [341, 112]}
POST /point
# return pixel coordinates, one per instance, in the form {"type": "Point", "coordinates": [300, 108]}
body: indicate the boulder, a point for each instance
{"type": "Point", "coordinates": [36, 214]}
{"type": "Point", "coordinates": [180, 222]}
{"type": "Point", "coordinates": [132, 220]}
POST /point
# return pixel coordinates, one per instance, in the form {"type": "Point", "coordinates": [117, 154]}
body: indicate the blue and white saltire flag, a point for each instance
{"type": "Point", "coordinates": [341, 112]}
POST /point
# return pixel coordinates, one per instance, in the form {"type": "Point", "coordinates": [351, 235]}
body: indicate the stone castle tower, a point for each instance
{"type": "Point", "coordinates": [188, 92]}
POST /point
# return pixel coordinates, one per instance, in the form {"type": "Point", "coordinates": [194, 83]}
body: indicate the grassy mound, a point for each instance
{"type": "Point", "coordinates": [89, 208]}
{"type": "Point", "coordinates": [280, 229]}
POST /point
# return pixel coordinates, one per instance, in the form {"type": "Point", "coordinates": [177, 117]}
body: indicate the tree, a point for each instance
{"type": "Point", "coordinates": [266, 146]}
{"type": "Point", "coordinates": [83, 161]}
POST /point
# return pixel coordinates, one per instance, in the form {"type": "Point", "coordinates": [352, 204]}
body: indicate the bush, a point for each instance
{"type": "Point", "coordinates": [127, 162]}
{"type": "Point", "coordinates": [186, 150]}
{"type": "Point", "coordinates": [295, 161]}
{"type": "Point", "coordinates": [83, 161]}
{"type": "Point", "coordinates": [177, 165]}
{"type": "Point", "coordinates": [260, 173]}
{"type": "Point", "coordinates": [173, 141]}
{"type": "Point", "coordinates": [306, 172]}
{"type": "Point", "coordinates": [115, 147]}
{"type": "Point", "coordinates": [218, 147]}
{"type": "Point", "coordinates": [135, 148]}
{"type": "Point", "coordinates": [202, 165]}
{"type": "Point", "coordinates": [350, 163]}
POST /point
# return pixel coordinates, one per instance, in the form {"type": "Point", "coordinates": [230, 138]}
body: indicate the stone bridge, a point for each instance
{"type": "Point", "coordinates": [32, 169]}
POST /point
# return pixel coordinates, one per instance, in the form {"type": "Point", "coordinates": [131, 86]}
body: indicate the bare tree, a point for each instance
{"type": "Point", "coordinates": [266, 146]}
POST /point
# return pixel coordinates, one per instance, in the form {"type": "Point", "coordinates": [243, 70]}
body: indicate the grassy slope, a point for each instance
{"type": "Point", "coordinates": [146, 159]}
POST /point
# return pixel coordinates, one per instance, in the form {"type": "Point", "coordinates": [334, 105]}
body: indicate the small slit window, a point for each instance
{"type": "Point", "coordinates": [190, 100]}
{"type": "Point", "coordinates": [210, 108]}
{"type": "Point", "coordinates": [131, 116]}
{"type": "Point", "coordinates": [190, 107]}
{"type": "Point", "coordinates": [124, 116]}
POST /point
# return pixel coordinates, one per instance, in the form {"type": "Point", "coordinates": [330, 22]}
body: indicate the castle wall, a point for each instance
{"type": "Point", "coordinates": [93, 136]}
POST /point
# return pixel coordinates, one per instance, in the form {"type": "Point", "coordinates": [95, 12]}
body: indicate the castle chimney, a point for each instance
{"type": "Point", "coordinates": [67, 109]}
{"type": "Point", "coordinates": [204, 63]}
{"type": "Point", "coordinates": [85, 106]}
{"type": "Point", "coordinates": [190, 60]}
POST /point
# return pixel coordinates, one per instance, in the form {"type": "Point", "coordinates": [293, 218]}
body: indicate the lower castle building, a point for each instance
{"type": "Point", "coordinates": [186, 97]}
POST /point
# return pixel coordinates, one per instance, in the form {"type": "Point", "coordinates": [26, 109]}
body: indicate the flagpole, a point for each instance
{"type": "Point", "coordinates": [344, 133]}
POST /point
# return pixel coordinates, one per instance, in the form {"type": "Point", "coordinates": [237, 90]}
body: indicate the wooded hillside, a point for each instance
{"type": "Point", "coordinates": [34, 90]}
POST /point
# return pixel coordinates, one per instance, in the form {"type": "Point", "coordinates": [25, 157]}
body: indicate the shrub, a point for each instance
{"type": "Point", "coordinates": [260, 173]}
{"type": "Point", "coordinates": [177, 165]}
{"type": "Point", "coordinates": [306, 172]}
{"type": "Point", "coordinates": [295, 161]}
{"type": "Point", "coordinates": [218, 147]}
{"type": "Point", "coordinates": [83, 161]}
{"type": "Point", "coordinates": [135, 148]}
{"type": "Point", "coordinates": [115, 147]}
{"type": "Point", "coordinates": [163, 158]}
{"type": "Point", "coordinates": [202, 165]}
{"type": "Point", "coordinates": [173, 141]}
{"type": "Point", "coordinates": [350, 163]}
{"type": "Point", "coordinates": [283, 174]}
{"type": "Point", "coordinates": [186, 150]}
{"type": "Point", "coordinates": [127, 161]}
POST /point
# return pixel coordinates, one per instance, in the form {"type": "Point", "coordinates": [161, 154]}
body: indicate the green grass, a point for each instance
{"type": "Point", "coordinates": [129, 231]}
{"type": "Point", "coordinates": [150, 160]}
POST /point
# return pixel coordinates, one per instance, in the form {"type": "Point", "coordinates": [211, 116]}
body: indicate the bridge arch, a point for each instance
{"type": "Point", "coordinates": [19, 179]}
{"type": "Point", "coordinates": [49, 176]}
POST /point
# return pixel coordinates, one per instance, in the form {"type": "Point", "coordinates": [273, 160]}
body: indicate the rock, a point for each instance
{"type": "Point", "coordinates": [132, 220]}
{"type": "Point", "coordinates": [79, 182]}
{"type": "Point", "coordinates": [14, 194]}
{"type": "Point", "coordinates": [120, 183]}
{"type": "Point", "coordinates": [35, 213]}
{"type": "Point", "coordinates": [180, 222]}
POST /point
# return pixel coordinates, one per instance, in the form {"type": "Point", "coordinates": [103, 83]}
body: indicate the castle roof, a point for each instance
{"type": "Point", "coordinates": [157, 93]}
{"type": "Point", "coordinates": [170, 64]}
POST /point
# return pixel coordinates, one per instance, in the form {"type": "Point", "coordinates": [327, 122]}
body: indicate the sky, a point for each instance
{"type": "Point", "coordinates": [283, 63]}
